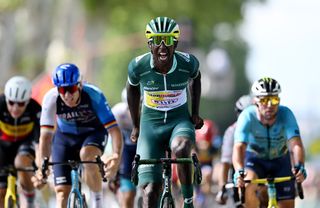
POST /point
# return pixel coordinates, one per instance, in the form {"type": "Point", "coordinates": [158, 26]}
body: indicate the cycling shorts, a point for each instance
{"type": "Point", "coordinates": [155, 138]}
{"type": "Point", "coordinates": [126, 185]}
{"type": "Point", "coordinates": [278, 167]}
{"type": "Point", "coordinates": [67, 147]}
{"type": "Point", "coordinates": [8, 152]}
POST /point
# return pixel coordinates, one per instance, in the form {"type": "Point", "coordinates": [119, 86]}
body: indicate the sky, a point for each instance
{"type": "Point", "coordinates": [284, 42]}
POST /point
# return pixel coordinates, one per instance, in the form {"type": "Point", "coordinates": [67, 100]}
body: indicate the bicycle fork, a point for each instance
{"type": "Point", "coordinates": [11, 191]}
{"type": "Point", "coordinates": [75, 189]}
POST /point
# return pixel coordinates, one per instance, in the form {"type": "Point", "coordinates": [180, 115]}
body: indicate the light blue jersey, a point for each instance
{"type": "Point", "coordinates": [267, 142]}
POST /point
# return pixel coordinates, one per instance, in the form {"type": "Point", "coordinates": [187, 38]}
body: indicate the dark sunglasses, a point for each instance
{"type": "Point", "coordinates": [71, 89]}
{"type": "Point", "coordinates": [20, 104]}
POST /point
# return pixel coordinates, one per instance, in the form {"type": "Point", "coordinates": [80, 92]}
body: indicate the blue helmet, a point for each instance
{"type": "Point", "coordinates": [66, 75]}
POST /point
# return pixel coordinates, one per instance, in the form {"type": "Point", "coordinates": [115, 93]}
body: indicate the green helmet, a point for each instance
{"type": "Point", "coordinates": [162, 26]}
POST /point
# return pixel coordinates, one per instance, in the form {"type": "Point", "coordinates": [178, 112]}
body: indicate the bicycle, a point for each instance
{"type": "Point", "coordinates": [11, 199]}
{"type": "Point", "coordinates": [166, 197]}
{"type": "Point", "coordinates": [271, 189]}
{"type": "Point", "coordinates": [76, 198]}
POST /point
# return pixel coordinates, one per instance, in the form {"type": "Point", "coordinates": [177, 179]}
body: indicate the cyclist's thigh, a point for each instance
{"type": "Point", "coordinates": [128, 154]}
{"type": "Point", "coordinates": [257, 165]}
{"type": "Point", "coordinates": [27, 147]}
{"type": "Point", "coordinates": [183, 127]}
{"type": "Point", "coordinates": [8, 151]}
{"type": "Point", "coordinates": [64, 147]}
{"type": "Point", "coordinates": [282, 167]}
{"type": "Point", "coordinates": [152, 143]}
{"type": "Point", "coordinates": [126, 185]}
{"type": "Point", "coordinates": [96, 138]}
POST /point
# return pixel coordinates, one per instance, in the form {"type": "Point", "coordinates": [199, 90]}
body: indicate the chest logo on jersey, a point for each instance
{"type": "Point", "coordinates": [76, 115]}
{"type": "Point", "coordinates": [151, 82]}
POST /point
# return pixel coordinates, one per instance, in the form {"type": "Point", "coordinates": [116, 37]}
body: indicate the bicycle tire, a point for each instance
{"type": "Point", "coordinates": [74, 201]}
{"type": "Point", "coordinates": [168, 202]}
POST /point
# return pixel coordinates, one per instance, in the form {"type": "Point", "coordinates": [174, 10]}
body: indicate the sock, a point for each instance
{"type": "Point", "coordinates": [96, 199]}
{"type": "Point", "coordinates": [187, 192]}
{"type": "Point", "coordinates": [29, 196]}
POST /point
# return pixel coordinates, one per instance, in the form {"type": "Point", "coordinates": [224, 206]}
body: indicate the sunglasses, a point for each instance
{"type": "Point", "coordinates": [273, 100]}
{"type": "Point", "coordinates": [167, 40]}
{"type": "Point", "coordinates": [71, 89]}
{"type": "Point", "coordinates": [20, 104]}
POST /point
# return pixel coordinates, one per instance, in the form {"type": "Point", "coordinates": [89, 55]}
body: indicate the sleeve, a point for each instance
{"type": "Point", "coordinates": [227, 145]}
{"type": "Point", "coordinates": [195, 67]}
{"type": "Point", "coordinates": [133, 77]}
{"type": "Point", "coordinates": [242, 131]}
{"type": "Point", "coordinates": [36, 128]}
{"type": "Point", "coordinates": [49, 109]}
{"type": "Point", "coordinates": [292, 128]}
{"type": "Point", "coordinates": [101, 107]}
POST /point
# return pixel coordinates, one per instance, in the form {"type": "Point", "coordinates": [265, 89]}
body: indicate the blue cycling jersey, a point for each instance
{"type": "Point", "coordinates": [93, 112]}
{"type": "Point", "coordinates": [267, 142]}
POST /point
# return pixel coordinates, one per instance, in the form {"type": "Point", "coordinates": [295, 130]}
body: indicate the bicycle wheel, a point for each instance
{"type": "Point", "coordinates": [74, 201]}
{"type": "Point", "coordinates": [168, 202]}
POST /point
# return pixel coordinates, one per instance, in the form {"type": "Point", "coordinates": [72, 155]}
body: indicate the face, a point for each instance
{"type": "Point", "coordinates": [268, 106]}
{"type": "Point", "coordinates": [162, 49]}
{"type": "Point", "coordinates": [16, 109]}
{"type": "Point", "coordinates": [70, 95]}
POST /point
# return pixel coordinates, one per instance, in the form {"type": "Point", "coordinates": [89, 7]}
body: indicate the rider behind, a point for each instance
{"type": "Point", "coordinates": [127, 191]}
{"type": "Point", "coordinates": [19, 133]}
{"type": "Point", "coordinates": [266, 133]}
{"type": "Point", "coordinates": [82, 119]}
{"type": "Point", "coordinates": [227, 147]}
{"type": "Point", "coordinates": [163, 76]}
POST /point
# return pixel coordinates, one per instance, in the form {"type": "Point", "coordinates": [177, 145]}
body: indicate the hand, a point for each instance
{"type": "Point", "coordinates": [134, 134]}
{"type": "Point", "coordinates": [238, 177]}
{"type": "Point", "coordinates": [197, 121]}
{"type": "Point", "coordinates": [38, 181]}
{"type": "Point", "coordinates": [114, 184]}
{"type": "Point", "coordinates": [299, 172]}
{"type": "Point", "coordinates": [111, 165]}
{"type": "Point", "coordinates": [222, 196]}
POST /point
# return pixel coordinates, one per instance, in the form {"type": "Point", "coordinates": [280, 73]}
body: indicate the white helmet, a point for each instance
{"type": "Point", "coordinates": [243, 102]}
{"type": "Point", "coordinates": [18, 89]}
{"type": "Point", "coordinates": [265, 86]}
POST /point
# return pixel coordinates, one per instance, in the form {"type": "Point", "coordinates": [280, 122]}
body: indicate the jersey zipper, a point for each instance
{"type": "Point", "coordinates": [269, 140]}
{"type": "Point", "coordinates": [165, 89]}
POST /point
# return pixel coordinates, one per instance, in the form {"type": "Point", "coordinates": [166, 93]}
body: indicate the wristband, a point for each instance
{"type": "Point", "coordinates": [237, 174]}
{"type": "Point", "coordinates": [300, 167]}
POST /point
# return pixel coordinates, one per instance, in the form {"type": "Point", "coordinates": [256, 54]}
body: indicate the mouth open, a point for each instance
{"type": "Point", "coordinates": [163, 56]}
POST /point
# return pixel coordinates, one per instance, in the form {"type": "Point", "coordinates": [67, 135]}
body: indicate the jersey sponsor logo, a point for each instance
{"type": "Point", "coordinates": [183, 84]}
{"type": "Point", "coordinates": [165, 100]}
{"type": "Point", "coordinates": [151, 82]}
{"type": "Point", "coordinates": [81, 115]}
{"type": "Point", "coordinates": [60, 180]}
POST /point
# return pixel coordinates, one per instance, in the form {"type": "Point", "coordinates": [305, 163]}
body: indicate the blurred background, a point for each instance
{"type": "Point", "coordinates": [236, 42]}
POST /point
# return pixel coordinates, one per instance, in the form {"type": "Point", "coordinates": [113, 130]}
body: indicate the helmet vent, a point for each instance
{"type": "Point", "coordinates": [23, 94]}
{"type": "Point", "coordinates": [17, 92]}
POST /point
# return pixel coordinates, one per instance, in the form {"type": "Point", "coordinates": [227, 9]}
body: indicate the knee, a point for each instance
{"type": "Point", "coordinates": [89, 153]}
{"type": "Point", "coordinates": [182, 147]}
{"type": "Point", "coordinates": [62, 193]}
{"type": "Point", "coordinates": [151, 191]}
{"type": "Point", "coordinates": [22, 161]}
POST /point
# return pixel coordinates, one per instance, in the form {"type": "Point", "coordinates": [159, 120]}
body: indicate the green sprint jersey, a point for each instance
{"type": "Point", "coordinates": [163, 94]}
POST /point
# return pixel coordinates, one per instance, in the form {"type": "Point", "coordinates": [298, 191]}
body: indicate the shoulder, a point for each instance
{"type": "Point", "coordinates": [139, 61]}
{"type": "Point", "coordinates": [2, 101]}
{"type": "Point", "coordinates": [92, 90]}
{"type": "Point", "coordinates": [186, 57]}
{"type": "Point", "coordinates": [51, 95]}
{"type": "Point", "coordinates": [34, 105]}
{"type": "Point", "coordinates": [285, 111]}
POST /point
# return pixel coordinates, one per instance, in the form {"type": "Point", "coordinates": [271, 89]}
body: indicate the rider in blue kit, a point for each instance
{"type": "Point", "coordinates": [266, 133]}
{"type": "Point", "coordinates": [74, 124]}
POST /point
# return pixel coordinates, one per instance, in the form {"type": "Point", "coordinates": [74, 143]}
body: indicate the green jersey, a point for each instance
{"type": "Point", "coordinates": [163, 92]}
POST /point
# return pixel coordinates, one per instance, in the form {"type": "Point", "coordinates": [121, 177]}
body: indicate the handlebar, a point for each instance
{"type": "Point", "coordinates": [73, 164]}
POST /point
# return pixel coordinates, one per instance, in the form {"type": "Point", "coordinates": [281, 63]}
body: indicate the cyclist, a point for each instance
{"type": "Point", "coordinates": [163, 76]}
{"type": "Point", "coordinates": [19, 133]}
{"type": "Point", "coordinates": [83, 119]}
{"type": "Point", "coordinates": [127, 191]}
{"type": "Point", "coordinates": [266, 133]}
{"type": "Point", "coordinates": [227, 146]}
{"type": "Point", "coordinates": [206, 152]}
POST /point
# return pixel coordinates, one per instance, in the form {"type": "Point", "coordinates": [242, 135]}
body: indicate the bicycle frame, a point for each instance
{"type": "Point", "coordinates": [270, 183]}
{"type": "Point", "coordinates": [75, 181]}
{"type": "Point", "coordinates": [166, 174]}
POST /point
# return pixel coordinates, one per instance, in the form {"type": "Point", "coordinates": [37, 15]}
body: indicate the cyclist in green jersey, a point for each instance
{"type": "Point", "coordinates": [163, 77]}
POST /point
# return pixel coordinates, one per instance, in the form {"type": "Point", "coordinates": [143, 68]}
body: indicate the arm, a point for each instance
{"type": "Point", "coordinates": [133, 96]}
{"type": "Point", "coordinates": [117, 143]}
{"type": "Point", "coordinates": [239, 150]}
{"type": "Point", "coordinates": [45, 141]}
{"type": "Point", "coordinates": [297, 149]}
{"type": "Point", "coordinates": [195, 91]}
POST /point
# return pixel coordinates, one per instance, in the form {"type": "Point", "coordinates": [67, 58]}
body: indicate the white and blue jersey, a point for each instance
{"type": "Point", "coordinates": [93, 112]}
{"type": "Point", "coordinates": [266, 142]}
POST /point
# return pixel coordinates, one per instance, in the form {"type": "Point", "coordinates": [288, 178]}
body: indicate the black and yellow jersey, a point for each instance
{"type": "Point", "coordinates": [26, 126]}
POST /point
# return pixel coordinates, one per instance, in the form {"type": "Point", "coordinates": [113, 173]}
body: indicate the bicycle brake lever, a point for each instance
{"type": "Point", "coordinates": [101, 168]}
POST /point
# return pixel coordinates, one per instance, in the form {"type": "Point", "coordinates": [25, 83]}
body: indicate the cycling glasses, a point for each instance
{"type": "Point", "coordinates": [167, 40]}
{"type": "Point", "coordinates": [20, 104]}
{"type": "Point", "coordinates": [71, 89]}
{"type": "Point", "coordinates": [274, 100]}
